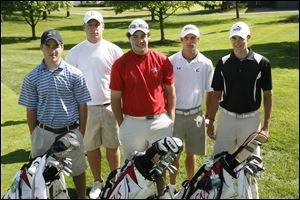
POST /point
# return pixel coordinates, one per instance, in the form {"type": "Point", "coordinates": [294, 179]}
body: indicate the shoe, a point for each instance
{"type": "Point", "coordinates": [96, 189]}
{"type": "Point", "coordinates": [169, 192]}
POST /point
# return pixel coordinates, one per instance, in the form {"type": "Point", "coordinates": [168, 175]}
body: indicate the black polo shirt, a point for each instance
{"type": "Point", "coordinates": [242, 82]}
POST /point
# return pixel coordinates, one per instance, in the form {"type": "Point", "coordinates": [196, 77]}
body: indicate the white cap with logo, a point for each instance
{"type": "Point", "coordinates": [190, 28]}
{"type": "Point", "coordinates": [138, 25]}
{"type": "Point", "coordinates": [92, 15]}
{"type": "Point", "coordinates": [240, 29]}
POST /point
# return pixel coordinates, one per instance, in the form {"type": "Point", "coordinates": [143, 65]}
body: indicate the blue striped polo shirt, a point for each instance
{"type": "Point", "coordinates": [55, 94]}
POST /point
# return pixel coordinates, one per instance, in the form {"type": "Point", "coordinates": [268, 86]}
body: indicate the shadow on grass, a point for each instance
{"type": "Point", "coordinates": [11, 123]}
{"type": "Point", "coordinates": [17, 156]}
{"type": "Point", "coordinates": [14, 40]}
{"type": "Point", "coordinates": [281, 55]}
{"type": "Point", "coordinates": [290, 19]}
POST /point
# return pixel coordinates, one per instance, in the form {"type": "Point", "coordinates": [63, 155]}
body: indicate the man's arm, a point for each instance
{"type": "Point", "coordinates": [209, 98]}
{"type": "Point", "coordinates": [268, 102]}
{"type": "Point", "coordinates": [82, 117]}
{"type": "Point", "coordinates": [31, 119]}
{"type": "Point", "coordinates": [171, 100]}
{"type": "Point", "coordinates": [213, 108]}
{"type": "Point", "coordinates": [116, 105]}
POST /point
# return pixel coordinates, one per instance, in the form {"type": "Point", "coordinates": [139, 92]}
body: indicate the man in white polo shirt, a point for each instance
{"type": "Point", "coordinates": [94, 57]}
{"type": "Point", "coordinates": [193, 74]}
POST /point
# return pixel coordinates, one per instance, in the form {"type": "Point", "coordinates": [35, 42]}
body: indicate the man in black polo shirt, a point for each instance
{"type": "Point", "coordinates": [238, 82]}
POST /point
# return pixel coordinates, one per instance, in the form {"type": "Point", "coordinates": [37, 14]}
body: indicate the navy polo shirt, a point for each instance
{"type": "Point", "coordinates": [242, 82]}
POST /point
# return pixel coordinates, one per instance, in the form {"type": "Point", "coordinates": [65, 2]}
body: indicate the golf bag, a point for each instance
{"type": "Point", "coordinates": [226, 174]}
{"type": "Point", "coordinates": [42, 177]}
{"type": "Point", "coordinates": [135, 179]}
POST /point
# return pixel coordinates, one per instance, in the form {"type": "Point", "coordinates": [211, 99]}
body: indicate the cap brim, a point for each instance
{"type": "Point", "coordinates": [95, 18]}
{"type": "Point", "coordinates": [132, 31]}
{"type": "Point", "coordinates": [244, 36]}
{"type": "Point", "coordinates": [53, 38]}
{"type": "Point", "coordinates": [190, 32]}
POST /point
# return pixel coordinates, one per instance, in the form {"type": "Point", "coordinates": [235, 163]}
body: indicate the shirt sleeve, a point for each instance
{"type": "Point", "coordinates": [168, 75]}
{"type": "Point", "coordinates": [266, 74]}
{"type": "Point", "coordinates": [210, 73]}
{"type": "Point", "coordinates": [29, 95]}
{"type": "Point", "coordinates": [81, 91]}
{"type": "Point", "coordinates": [116, 82]}
{"type": "Point", "coordinates": [217, 81]}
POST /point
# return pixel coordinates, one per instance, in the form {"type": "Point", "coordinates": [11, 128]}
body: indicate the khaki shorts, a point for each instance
{"type": "Point", "coordinates": [42, 139]}
{"type": "Point", "coordinates": [101, 128]}
{"type": "Point", "coordinates": [191, 129]}
{"type": "Point", "coordinates": [139, 134]}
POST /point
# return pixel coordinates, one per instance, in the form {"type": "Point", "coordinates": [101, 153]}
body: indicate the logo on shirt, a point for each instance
{"type": "Point", "coordinates": [154, 69]}
{"type": "Point", "coordinates": [198, 70]}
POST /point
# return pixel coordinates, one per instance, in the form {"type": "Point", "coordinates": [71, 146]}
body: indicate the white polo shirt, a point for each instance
{"type": "Point", "coordinates": [191, 79]}
{"type": "Point", "coordinates": [95, 61]}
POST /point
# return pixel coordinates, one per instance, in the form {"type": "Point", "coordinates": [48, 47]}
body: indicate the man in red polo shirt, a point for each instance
{"type": "Point", "coordinates": [141, 80]}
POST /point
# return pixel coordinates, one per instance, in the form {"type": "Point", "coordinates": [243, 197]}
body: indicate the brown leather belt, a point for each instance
{"type": "Point", "coordinates": [58, 130]}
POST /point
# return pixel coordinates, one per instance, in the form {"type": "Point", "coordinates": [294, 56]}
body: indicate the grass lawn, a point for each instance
{"type": "Point", "coordinates": [273, 35]}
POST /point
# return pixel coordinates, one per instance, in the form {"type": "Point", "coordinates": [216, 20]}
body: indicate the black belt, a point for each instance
{"type": "Point", "coordinates": [106, 104]}
{"type": "Point", "coordinates": [58, 130]}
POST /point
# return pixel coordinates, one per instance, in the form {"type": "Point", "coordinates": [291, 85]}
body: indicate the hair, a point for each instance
{"type": "Point", "coordinates": [128, 35]}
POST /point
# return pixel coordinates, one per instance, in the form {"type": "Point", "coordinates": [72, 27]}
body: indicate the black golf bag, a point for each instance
{"type": "Point", "coordinates": [135, 179]}
{"type": "Point", "coordinates": [42, 177]}
{"type": "Point", "coordinates": [226, 175]}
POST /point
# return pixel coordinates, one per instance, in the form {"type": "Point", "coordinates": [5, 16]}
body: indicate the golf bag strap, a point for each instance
{"type": "Point", "coordinates": [193, 181]}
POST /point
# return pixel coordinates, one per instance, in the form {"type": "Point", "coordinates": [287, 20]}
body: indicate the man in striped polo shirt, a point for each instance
{"type": "Point", "coordinates": [55, 95]}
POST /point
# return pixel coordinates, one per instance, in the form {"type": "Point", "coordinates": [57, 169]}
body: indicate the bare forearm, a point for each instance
{"type": "Point", "coordinates": [171, 101]}
{"type": "Point", "coordinates": [268, 102]}
{"type": "Point", "coordinates": [82, 117]}
{"type": "Point", "coordinates": [116, 106]}
{"type": "Point", "coordinates": [31, 119]}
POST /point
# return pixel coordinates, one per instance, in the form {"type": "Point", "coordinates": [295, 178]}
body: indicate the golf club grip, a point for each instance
{"type": "Point", "coordinates": [247, 141]}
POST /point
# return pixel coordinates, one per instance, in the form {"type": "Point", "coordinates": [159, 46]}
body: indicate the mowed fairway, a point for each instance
{"type": "Point", "coordinates": [274, 35]}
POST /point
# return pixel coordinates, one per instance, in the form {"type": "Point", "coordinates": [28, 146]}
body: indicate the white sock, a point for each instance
{"type": "Point", "coordinates": [172, 187]}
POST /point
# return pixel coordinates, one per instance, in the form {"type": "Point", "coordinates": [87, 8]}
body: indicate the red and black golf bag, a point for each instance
{"type": "Point", "coordinates": [136, 178]}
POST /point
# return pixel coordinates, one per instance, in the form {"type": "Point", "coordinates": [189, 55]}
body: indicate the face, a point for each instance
{"type": "Point", "coordinates": [238, 43]}
{"type": "Point", "coordinates": [93, 30]}
{"type": "Point", "coordinates": [190, 42]}
{"type": "Point", "coordinates": [52, 52]}
{"type": "Point", "coordinates": [139, 42]}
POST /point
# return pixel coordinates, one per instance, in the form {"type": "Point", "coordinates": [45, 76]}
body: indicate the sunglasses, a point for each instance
{"type": "Point", "coordinates": [143, 26]}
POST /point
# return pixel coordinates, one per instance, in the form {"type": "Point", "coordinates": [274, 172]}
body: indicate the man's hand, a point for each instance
{"type": "Point", "coordinates": [210, 128]}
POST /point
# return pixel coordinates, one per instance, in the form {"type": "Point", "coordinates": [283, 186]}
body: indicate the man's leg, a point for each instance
{"type": "Point", "coordinates": [173, 176]}
{"type": "Point", "coordinates": [190, 163]}
{"type": "Point", "coordinates": [80, 184]}
{"type": "Point", "coordinates": [113, 158]}
{"type": "Point", "coordinates": [94, 159]}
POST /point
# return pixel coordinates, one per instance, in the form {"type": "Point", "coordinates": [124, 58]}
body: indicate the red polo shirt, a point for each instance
{"type": "Point", "coordinates": [141, 79]}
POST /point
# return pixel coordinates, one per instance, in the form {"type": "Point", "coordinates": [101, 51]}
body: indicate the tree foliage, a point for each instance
{"type": "Point", "coordinates": [160, 9]}
{"type": "Point", "coordinates": [32, 11]}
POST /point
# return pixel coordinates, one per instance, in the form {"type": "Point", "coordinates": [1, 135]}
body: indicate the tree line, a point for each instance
{"type": "Point", "coordinates": [33, 11]}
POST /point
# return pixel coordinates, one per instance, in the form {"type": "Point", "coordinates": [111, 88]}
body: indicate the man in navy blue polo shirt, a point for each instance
{"type": "Point", "coordinates": [55, 95]}
{"type": "Point", "coordinates": [241, 79]}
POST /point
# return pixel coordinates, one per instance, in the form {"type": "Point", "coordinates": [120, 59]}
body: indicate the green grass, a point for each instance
{"type": "Point", "coordinates": [272, 36]}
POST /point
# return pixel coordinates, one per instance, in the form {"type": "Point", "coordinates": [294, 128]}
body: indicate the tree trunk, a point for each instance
{"type": "Point", "coordinates": [237, 9]}
{"type": "Point", "coordinates": [161, 25]}
{"type": "Point", "coordinates": [33, 31]}
{"type": "Point", "coordinates": [45, 15]}
{"type": "Point", "coordinates": [152, 16]}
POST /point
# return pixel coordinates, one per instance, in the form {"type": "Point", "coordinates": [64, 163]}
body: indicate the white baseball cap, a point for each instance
{"type": "Point", "coordinates": [92, 15]}
{"type": "Point", "coordinates": [241, 29]}
{"type": "Point", "coordinates": [138, 25]}
{"type": "Point", "coordinates": [190, 28]}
